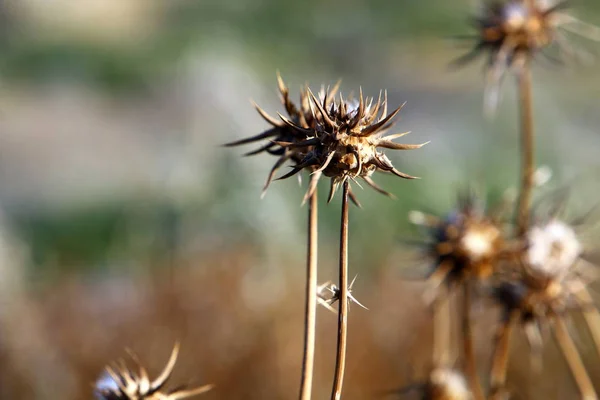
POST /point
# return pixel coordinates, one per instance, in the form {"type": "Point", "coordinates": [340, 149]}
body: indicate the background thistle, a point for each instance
{"type": "Point", "coordinates": [466, 248]}
{"type": "Point", "coordinates": [546, 281]}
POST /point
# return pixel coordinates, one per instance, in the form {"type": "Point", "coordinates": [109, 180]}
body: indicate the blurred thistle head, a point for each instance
{"type": "Point", "coordinates": [512, 32]}
{"type": "Point", "coordinates": [119, 382]}
{"type": "Point", "coordinates": [447, 384]}
{"type": "Point", "coordinates": [468, 243]}
{"type": "Point", "coordinates": [346, 141]}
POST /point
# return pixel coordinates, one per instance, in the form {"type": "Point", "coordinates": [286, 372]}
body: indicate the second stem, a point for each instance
{"type": "Point", "coordinates": [340, 362]}
{"type": "Point", "coordinates": [310, 314]}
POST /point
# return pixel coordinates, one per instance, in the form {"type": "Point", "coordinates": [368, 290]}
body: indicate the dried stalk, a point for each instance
{"type": "Point", "coordinates": [561, 333]}
{"type": "Point", "coordinates": [527, 147]}
{"type": "Point", "coordinates": [310, 315]}
{"type": "Point", "coordinates": [340, 361]}
{"type": "Point", "coordinates": [501, 352]}
{"type": "Point", "coordinates": [591, 315]}
{"type": "Point", "coordinates": [441, 331]}
{"type": "Point", "coordinates": [470, 362]}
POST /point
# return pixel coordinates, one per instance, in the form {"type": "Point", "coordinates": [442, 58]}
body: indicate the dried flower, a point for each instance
{"type": "Point", "coordinates": [281, 132]}
{"type": "Point", "coordinates": [514, 31]}
{"type": "Point", "coordinates": [346, 141]}
{"type": "Point", "coordinates": [122, 383]}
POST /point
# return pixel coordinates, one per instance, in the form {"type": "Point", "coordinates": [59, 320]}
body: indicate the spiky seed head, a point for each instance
{"type": "Point", "coordinates": [119, 382]}
{"type": "Point", "coordinates": [552, 249]}
{"type": "Point", "coordinates": [447, 384]}
{"type": "Point", "coordinates": [348, 141]}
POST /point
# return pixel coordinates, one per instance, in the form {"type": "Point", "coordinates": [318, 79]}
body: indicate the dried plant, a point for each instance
{"type": "Point", "coordinates": [345, 146]}
{"type": "Point", "coordinates": [512, 32]}
{"type": "Point", "coordinates": [123, 383]}
{"type": "Point", "coordinates": [466, 247]}
{"type": "Point", "coordinates": [341, 139]}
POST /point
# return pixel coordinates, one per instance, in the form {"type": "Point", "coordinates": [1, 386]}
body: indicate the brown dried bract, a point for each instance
{"type": "Point", "coordinates": [123, 383]}
{"type": "Point", "coordinates": [347, 140]}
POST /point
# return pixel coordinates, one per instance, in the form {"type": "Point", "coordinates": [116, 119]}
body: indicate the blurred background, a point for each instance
{"type": "Point", "coordinates": [125, 224]}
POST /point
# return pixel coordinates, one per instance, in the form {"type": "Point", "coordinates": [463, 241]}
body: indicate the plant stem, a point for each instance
{"type": "Point", "coordinates": [591, 315]}
{"type": "Point", "coordinates": [310, 314]}
{"type": "Point", "coordinates": [340, 362]}
{"type": "Point", "coordinates": [501, 352]}
{"type": "Point", "coordinates": [527, 147]}
{"type": "Point", "coordinates": [586, 388]}
{"type": "Point", "coordinates": [441, 330]}
{"type": "Point", "coordinates": [470, 361]}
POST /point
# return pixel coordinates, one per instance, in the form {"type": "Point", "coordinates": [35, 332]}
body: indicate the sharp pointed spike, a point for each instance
{"type": "Point", "coordinates": [166, 373]}
{"type": "Point", "coordinates": [371, 129]}
{"type": "Point", "coordinates": [280, 161]}
{"type": "Point", "coordinates": [312, 186]}
{"type": "Point", "coordinates": [399, 146]}
{"type": "Point", "coordinates": [403, 175]}
{"type": "Point", "coordinates": [378, 188]}
{"type": "Point", "coordinates": [185, 394]}
{"type": "Point", "coordinates": [264, 114]}
{"type": "Point", "coordinates": [333, 185]}
{"type": "Point", "coordinates": [354, 199]}
{"type": "Point", "coordinates": [323, 112]}
{"type": "Point", "coordinates": [266, 134]}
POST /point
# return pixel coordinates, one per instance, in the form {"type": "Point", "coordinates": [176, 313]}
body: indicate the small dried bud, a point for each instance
{"type": "Point", "coordinates": [447, 384]}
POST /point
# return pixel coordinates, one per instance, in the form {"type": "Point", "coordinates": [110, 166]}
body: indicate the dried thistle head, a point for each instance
{"type": "Point", "coordinates": [468, 243]}
{"type": "Point", "coordinates": [447, 384]}
{"type": "Point", "coordinates": [512, 32]}
{"type": "Point", "coordinates": [119, 382]}
{"type": "Point", "coordinates": [347, 140]}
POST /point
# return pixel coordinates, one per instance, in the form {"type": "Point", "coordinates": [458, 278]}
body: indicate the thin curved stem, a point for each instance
{"type": "Point", "coordinates": [340, 362]}
{"type": "Point", "coordinates": [527, 147]}
{"type": "Point", "coordinates": [470, 361]}
{"type": "Point", "coordinates": [569, 350]}
{"type": "Point", "coordinates": [310, 313]}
